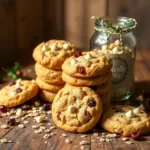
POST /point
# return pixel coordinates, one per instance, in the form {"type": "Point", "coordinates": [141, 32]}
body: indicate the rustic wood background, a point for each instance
{"type": "Point", "coordinates": [25, 23]}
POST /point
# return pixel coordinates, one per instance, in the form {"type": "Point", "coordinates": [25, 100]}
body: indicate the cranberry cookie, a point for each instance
{"type": "Point", "coordinates": [18, 92]}
{"type": "Point", "coordinates": [49, 75]}
{"type": "Point", "coordinates": [76, 109]}
{"type": "Point", "coordinates": [125, 120]}
{"type": "Point", "coordinates": [53, 53]}
{"type": "Point", "coordinates": [93, 81]}
{"type": "Point", "coordinates": [49, 87]}
{"type": "Point", "coordinates": [47, 96]}
{"type": "Point", "coordinates": [87, 64]}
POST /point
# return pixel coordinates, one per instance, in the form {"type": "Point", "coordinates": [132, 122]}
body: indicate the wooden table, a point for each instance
{"type": "Point", "coordinates": [26, 139]}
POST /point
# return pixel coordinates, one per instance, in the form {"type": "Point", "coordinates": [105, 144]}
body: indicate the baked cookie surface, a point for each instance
{"type": "Point", "coordinates": [49, 75]}
{"type": "Point", "coordinates": [87, 64]}
{"type": "Point", "coordinates": [49, 87]}
{"type": "Point", "coordinates": [18, 92]}
{"type": "Point", "coordinates": [93, 81]}
{"type": "Point", "coordinates": [125, 120]}
{"type": "Point", "coordinates": [53, 53]}
{"type": "Point", "coordinates": [76, 109]}
{"type": "Point", "coordinates": [47, 96]}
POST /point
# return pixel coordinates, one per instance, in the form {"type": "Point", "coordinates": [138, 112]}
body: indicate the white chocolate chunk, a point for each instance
{"type": "Point", "coordinates": [43, 48]}
{"type": "Point", "coordinates": [66, 46]}
{"type": "Point", "coordinates": [73, 61]}
{"type": "Point", "coordinates": [18, 84]}
{"type": "Point", "coordinates": [117, 42]}
{"type": "Point", "coordinates": [12, 93]}
{"type": "Point", "coordinates": [141, 107]}
{"type": "Point", "coordinates": [88, 56]}
{"type": "Point", "coordinates": [72, 109]}
{"type": "Point", "coordinates": [39, 119]}
{"type": "Point", "coordinates": [54, 47]}
{"type": "Point", "coordinates": [115, 50]}
{"type": "Point", "coordinates": [136, 110]}
{"type": "Point", "coordinates": [19, 113]}
{"type": "Point", "coordinates": [129, 114]}
{"type": "Point", "coordinates": [140, 98]}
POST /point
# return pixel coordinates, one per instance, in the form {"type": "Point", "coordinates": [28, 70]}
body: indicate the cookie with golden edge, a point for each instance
{"type": "Point", "coordinates": [49, 87]}
{"type": "Point", "coordinates": [16, 93]}
{"type": "Point", "coordinates": [53, 53]}
{"type": "Point", "coordinates": [93, 81]}
{"type": "Point", "coordinates": [76, 109]}
{"type": "Point", "coordinates": [47, 96]}
{"type": "Point", "coordinates": [49, 75]}
{"type": "Point", "coordinates": [125, 120]}
{"type": "Point", "coordinates": [87, 64]}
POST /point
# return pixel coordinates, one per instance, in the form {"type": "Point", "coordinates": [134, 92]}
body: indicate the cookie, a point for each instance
{"type": "Point", "coordinates": [86, 81]}
{"type": "Point", "coordinates": [76, 109]}
{"type": "Point", "coordinates": [87, 64]}
{"type": "Point", "coordinates": [49, 75]}
{"type": "Point", "coordinates": [49, 87]}
{"type": "Point", "coordinates": [103, 88]}
{"type": "Point", "coordinates": [18, 92]}
{"type": "Point", "coordinates": [125, 120]}
{"type": "Point", "coordinates": [53, 53]}
{"type": "Point", "coordinates": [47, 96]}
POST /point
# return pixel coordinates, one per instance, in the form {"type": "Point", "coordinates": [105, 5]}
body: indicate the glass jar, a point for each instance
{"type": "Point", "coordinates": [115, 37]}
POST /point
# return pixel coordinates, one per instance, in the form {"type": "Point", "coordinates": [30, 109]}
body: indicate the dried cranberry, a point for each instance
{"type": "Point", "coordinates": [80, 69]}
{"type": "Point", "coordinates": [19, 73]}
{"type": "Point", "coordinates": [3, 108]}
{"type": "Point", "coordinates": [26, 107]}
{"type": "Point", "coordinates": [58, 116]}
{"type": "Point", "coordinates": [119, 110]}
{"type": "Point", "coordinates": [77, 54]}
{"type": "Point", "coordinates": [91, 103]}
{"type": "Point", "coordinates": [46, 107]}
{"type": "Point", "coordinates": [12, 83]}
{"type": "Point", "coordinates": [19, 90]}
{"type": "Point", "coordinates": [11, 122]}
{"type": "Point", "coordinates": [135, 135]}
{"type": "Point", "coordinates": [87, 114]}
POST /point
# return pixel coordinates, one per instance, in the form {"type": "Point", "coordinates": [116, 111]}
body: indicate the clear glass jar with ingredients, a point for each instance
{"type": "Point", "coordinates": [115, 37]}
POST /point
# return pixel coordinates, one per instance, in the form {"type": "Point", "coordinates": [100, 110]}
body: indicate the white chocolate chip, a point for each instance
{"type": "Point", "coordinates": [43, 48]}
{"type": "Point", "coordinates": [18, 84]}
{"type": "Point", "coordinates": [54, 47]}
{"type": "Point", "coordinates": [141, 107]}
{"type": "Point", "coordinates": [19, 113]}
{"type": "Point", "coordinates": [136, 110]}
{"type": "Point", "coordinates": [88, 56]}
{"type": "Point", "coordinates": [129, 114]}
{"type": "Point", "coordinates": [12, 93]}
{"type": "Point", "coordinates": [117, 42]}
{"type": "Point", "coordinates": [66, 46]}
{"type": "Point", "coordinates": [39, 119]}
{"type": "Point", "coordinates": [140, 98]}
{"type": "Point", "coordinates": [73, 61]}
{"type": "Point", "coordinates": [72, 109]}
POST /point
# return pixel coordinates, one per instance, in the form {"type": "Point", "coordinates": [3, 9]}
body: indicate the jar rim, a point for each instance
{"type": "Point", "coordinates": [124, 22]}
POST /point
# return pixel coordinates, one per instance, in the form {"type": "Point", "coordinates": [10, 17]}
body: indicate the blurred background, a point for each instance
{"type": "Point", "coordinates": [26, 23]}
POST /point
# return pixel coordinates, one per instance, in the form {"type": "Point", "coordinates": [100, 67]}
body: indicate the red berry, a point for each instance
{"type": "Point", "coordinates": [135, 135]}
{"type": "Point", "coordinates": [19, 90]}
{"type": "Point", "coordinates": [19, 73]}
{"type": "Point", "coordinates": [87, 114]}
{"type": "Point", "coordinates": [11, 122]}
{"type": "Point", "coordinates": [80, 69]}
{"type": "Point", "coordinates": [77, 54]}
{"type": "Point", "coordinates": [12, 83]}
{"type": "Point", "coordinates": [91, 103]}
{"type": "Point", "coordinates": [26, 107]}
{"type": "Point", "coordinates": [3, 108]}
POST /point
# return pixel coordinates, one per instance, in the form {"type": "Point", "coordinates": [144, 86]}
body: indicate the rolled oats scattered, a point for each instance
{"type": "Point", "coordinates": [26, 122]}
{"type": "Point", "coordinates": [82, 147]}
{"type": "Point", "coordinates": [107, 140]}
{"type": "Point", "coordinates": [95, 134]}
{"type": "Point", "coordinates": [47, 130]}
{"type": "Point", "coordinates": [35, 126]}
{"type": "Point", "coordinates": [125, 139]}
{"type": "Point", "coordinates": [64, 135]}
{"type": "Point", "coordinates": [4, 126]}
{"type": "Point", "coordinates": [53, 127]}
{"type": "Point", "coordinates": [84, 143]}
{"type": "Point", "coordinates": [21, 126]}
{"type": "Point", "coordinates": [46, 136]}
{"type": "Point", "coordinates": [129, 142]}
{"type": "Point", "coordinates": [83, 136]}
{"type": "Point", "coordinates": [102, 140]}
{"type": "Point", "coordinates": [37, 131]}
{"type": "Point", "coordinates": [19, 113]}
{"type": "Point", "coordinates": [3, 140]}
{"type": "Point", "coordinates": [42, 128]}
{"type": "Point", "coordinates": [53, 133]}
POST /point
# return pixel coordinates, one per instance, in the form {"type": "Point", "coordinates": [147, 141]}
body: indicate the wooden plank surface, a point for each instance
{"type": "Point", "coordinates": [26, 139]}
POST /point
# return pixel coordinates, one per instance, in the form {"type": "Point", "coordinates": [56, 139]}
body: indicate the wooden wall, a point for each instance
{"type": "Point", "coordinates": [25, 23]}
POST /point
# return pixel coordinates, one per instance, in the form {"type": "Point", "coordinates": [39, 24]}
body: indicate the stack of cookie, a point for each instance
{"type": "Point", "coordinates": [92, 69]}
{"type": "Point", "coordinates": [49, 57]}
